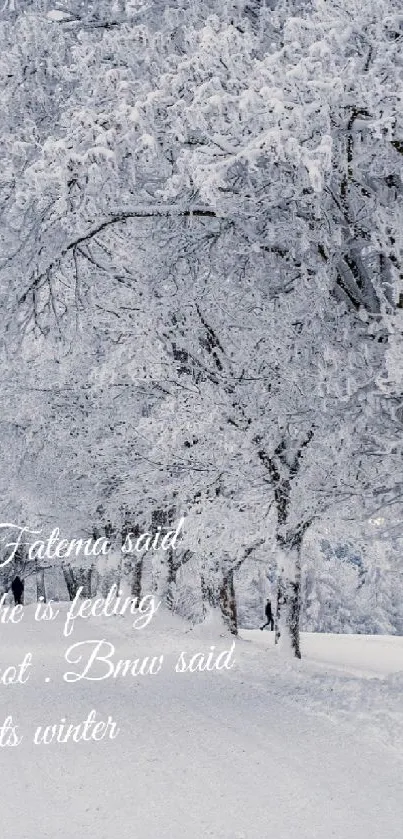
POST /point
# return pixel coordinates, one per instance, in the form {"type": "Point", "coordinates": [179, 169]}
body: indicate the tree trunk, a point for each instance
{"type": "Point", "coordinates": [84, 580]}
{"type": "Point", "coordinates": [70, 581]}
{"type": "Point", "coordinates": [93, 581]}
{"type": "Point", "coordinates": [119, 573]}
{"type": "Point", "coordinates": [279, 609]}
{"type": "Point", "coordinates": [163, 518]}
{"type": "Point", "coordinates": [283, 467]}
{"type": "Point", "coordinates": [40, 584]}
{"type": "Point", "coordinates": [289, 595]}
{"type": "Point", "coordinates": [171, 579]}
{"type": "Point", "coordinates": [228, 602]}
{"type": "Point", "coordinates": [137, 575]}
{"type": "Point", "coordinates": [209, 595]}
{"type": "Point", "coordinates": [174, 565]}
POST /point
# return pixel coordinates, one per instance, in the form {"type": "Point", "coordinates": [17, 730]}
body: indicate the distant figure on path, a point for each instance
{"type": "Point", "coordinates": [269, 615]}
{"type": "Point", "coordinates": [17, 587]}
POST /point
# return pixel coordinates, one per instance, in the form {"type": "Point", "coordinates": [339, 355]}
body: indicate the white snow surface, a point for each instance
{"type": "Point", "coordinates": [290, 750]}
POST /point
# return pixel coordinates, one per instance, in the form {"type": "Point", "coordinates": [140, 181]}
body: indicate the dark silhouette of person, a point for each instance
{"type": "Point", "coordinates": [269, 615]}
{"type": "Point", "coordinates": [17, 587]}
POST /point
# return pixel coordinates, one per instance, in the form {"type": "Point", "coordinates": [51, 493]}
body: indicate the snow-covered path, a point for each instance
{"type": "Point", "coordinates": [198, 755]}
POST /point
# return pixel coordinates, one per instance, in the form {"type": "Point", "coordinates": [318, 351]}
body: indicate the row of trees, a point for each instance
{"type": "Point", "coordinates": [350, 586]}
{"type": "Point", "coordinates": [202, 282]}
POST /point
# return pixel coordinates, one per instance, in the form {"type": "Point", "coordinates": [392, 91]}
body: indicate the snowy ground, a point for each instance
{"type": "Point", "coordinates": [302, 750]}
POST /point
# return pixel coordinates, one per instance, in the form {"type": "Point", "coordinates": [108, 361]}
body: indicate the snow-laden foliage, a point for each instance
{"type": "Point", "coordinates": [201, 277]}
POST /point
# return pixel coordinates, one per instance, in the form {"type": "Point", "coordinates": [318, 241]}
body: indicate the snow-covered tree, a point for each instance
{"type": "Point", "coordinates": [201, 215]}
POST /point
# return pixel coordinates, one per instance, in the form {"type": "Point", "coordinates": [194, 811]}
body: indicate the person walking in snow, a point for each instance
{"type": "Point", "coordinates": [269, 617]}
{"type": "Point", "coordinates": [17, 587]}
